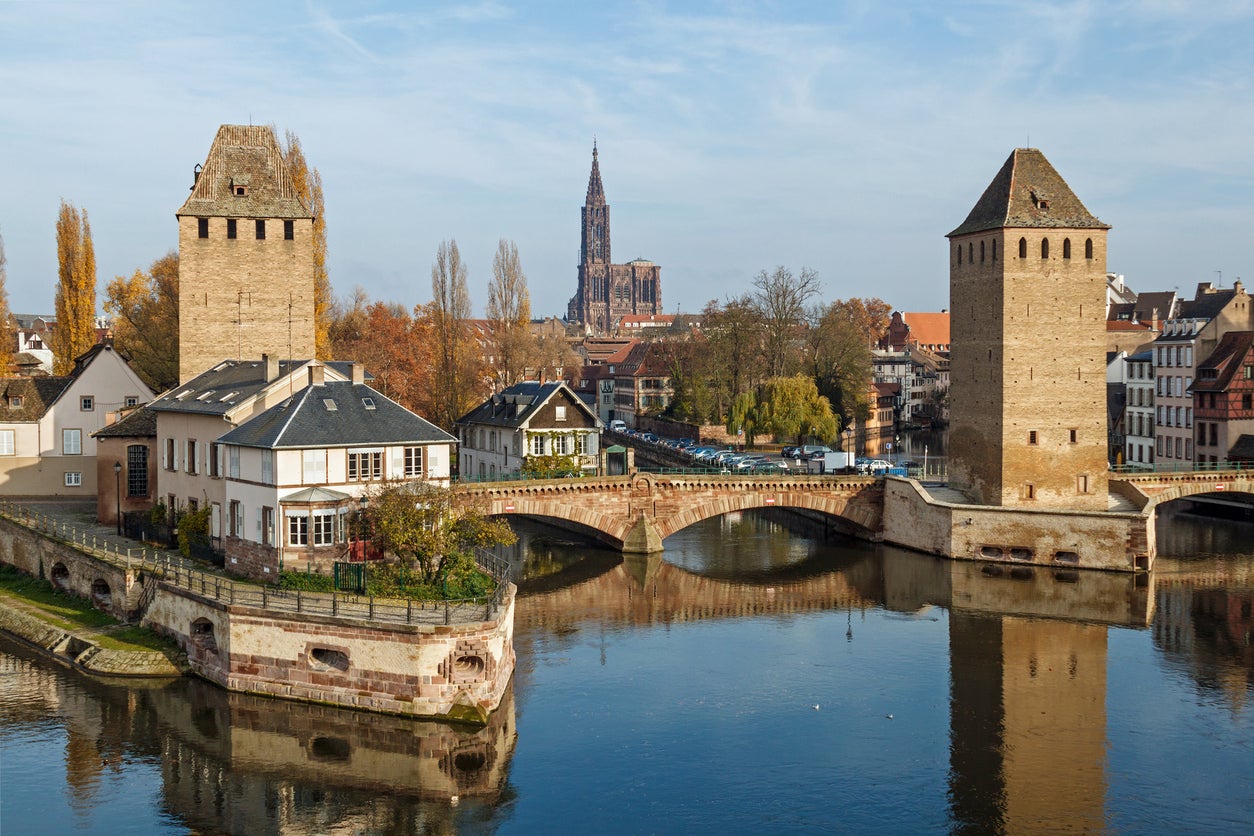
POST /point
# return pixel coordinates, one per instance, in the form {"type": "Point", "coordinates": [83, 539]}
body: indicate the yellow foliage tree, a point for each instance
{"type": "Point", "coordinates": [145, 312]}
{"type": "Point", "coordinates": [75, 331]}
{"type": "Point", "coordinates": [308, 185]}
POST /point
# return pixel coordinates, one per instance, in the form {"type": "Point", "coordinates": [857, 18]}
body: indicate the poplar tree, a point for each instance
{"type": "Point", "coordinates": [308, 185]}
{"type": "Point", "coordinates": [75, 331]}
{"type": "Point", "coordinates": [7, 340]}
{"type": "Point", "coordinates": [450, 310]}
{"type": "Point", "coordinates": [509, 312]}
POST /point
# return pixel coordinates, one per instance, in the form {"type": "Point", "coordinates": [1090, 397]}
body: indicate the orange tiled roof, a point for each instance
{"type": "Point", "coordinates": [928, 328]}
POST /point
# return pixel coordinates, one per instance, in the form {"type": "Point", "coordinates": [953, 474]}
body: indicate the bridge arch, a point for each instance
{"type": "Point", "coordinates": [1209, 484]}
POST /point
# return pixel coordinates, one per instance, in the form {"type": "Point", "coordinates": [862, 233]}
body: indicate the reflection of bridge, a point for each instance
{"type": "Point", "coordinates": [635, 513]}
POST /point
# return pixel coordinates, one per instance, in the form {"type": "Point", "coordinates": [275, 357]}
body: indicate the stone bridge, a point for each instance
{"type": "Point", "coordinates": [636, 513]}
{"type": "Point", "coordinates": [1148, 490]}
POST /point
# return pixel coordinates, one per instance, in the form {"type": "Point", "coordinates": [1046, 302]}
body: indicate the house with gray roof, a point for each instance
{"type": "Point", "coordinates": [527, 420]}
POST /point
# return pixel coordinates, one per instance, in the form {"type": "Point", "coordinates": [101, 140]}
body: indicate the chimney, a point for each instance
{"type": "Point", "coordinates": [358, 373]}
{"type": "Point", "coordinates": [270, 366]}
{"type": "Point", "coordinates": [1154, 320]}
{"type": "Point", "coordinates": [317, 374]}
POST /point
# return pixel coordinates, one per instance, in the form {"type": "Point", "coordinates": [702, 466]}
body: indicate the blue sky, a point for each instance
{"type": "Point", "coordinates": [845, 137]}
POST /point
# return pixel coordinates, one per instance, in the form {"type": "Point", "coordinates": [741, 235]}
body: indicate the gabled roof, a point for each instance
{"type": "Point", "coordinates": [643, 359]}
{"type": "Point", "coordinates": [335, 414]}
{"type": "Point", "coordinates": [138, 423]}
{"type": "Point", "coordinates": [1207, 303]}
{"type": "Point", "coordinates": [1223, 362]}
{"type": "Point", "coordinates": [228, 384]}
{"type": "Point", "coordinates": [1028, 194]}
{"type": "Point", "coordinates": [514, 407]}
{"type": "Point", "coordinates": [245, 156]}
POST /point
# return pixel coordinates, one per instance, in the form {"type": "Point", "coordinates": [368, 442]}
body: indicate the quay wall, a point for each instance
{"type": "Point", "coordinates": [1053, 537]}
{"type": "Point", "coordinates": [457, 671]}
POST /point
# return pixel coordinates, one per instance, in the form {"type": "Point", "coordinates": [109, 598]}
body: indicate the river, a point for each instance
{"type": "Point", "coordinates": [753, 679]}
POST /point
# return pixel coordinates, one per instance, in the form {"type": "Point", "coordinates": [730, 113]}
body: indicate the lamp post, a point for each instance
{"type": "Point", "coordinates": [117, 487]}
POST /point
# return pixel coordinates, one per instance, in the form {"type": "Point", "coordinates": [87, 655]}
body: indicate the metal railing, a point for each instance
{"type": "Point", "coordinates": [192, 577]}
{"type": "Point", "coordinates": [1137, 468]}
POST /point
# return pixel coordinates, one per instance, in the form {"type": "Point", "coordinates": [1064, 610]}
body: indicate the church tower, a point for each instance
{"type": "Point", "coordinates": [1027, 284]}
{"type": "Point", "coordinates": [246, 270]}
{"type": "Point", "coordinates": [607, 292]}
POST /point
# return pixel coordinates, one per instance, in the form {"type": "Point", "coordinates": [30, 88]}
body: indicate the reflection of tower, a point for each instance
{"type": "Point", "coordinates": [1027, 724]}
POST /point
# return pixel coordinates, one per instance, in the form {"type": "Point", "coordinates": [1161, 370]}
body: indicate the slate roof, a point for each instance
{"type": "Point", "coordinates": [249, 156]}
{"type": "Point", "coordinates": [1028, 194]}
{"type": "Point", "coordinates": [514, 406]}
{"type": "Point", "coordinates": [231, 382]}
{"type": "Point", "coordinates": [1224, 361]}
{"type": "Point", "coordinates": [1243, 449]}
{"type": "Point", "coordinates": [335, 414]}
{"type": "Point", "coordinates": [1207, 303]}
{"type": "Point", "coordinates": [643, 359]}
{"type": "Point", "coordinates": [138, 423]}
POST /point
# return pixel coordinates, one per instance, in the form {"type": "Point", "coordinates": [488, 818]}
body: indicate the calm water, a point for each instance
{"type": "Point", "coordinates": [753, 680]}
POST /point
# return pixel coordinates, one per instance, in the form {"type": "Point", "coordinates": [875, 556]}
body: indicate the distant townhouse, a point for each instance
{"type": "Point", "coordinates": [47, 446]}
{"type": "Point", "coordinates": [642, 383]}
{"type": "Point", "coordinates": [1223, 400]}
{"type": "Point", "coordinates": [928, 330]}
{"type": "Point", "coordinates": [526, 420]}
{"type": "Point", "coordinates": [1138, 421]}
{"type": "Point", "coordinates": [33, 350]}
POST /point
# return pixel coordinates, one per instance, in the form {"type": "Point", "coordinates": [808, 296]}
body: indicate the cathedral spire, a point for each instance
{"type": "Point", "coordinates": [596, 194]}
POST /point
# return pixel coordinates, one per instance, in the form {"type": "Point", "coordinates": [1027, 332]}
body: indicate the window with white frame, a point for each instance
{"type": "Point", "coordinates": [7, 443]}
{"type": "Point", "coordinates": [314, 467]}
{"type": "Point", "coordinates": [266, 524]}
{"type": "Point", "coordinates": [73, 479]}
{"type": "Point", "coordinates": [87, 403]}
{"type": "Point", "coordinates": [561, 445]}
{"type": "Point", "coordinates": [298, 530]}
{"type": "Point", "coordinates": [560, 413]}
{"type": "Point", "coordinates": [537, 445]}
{"type": "Point", "coordinates": [71, 442]}
{"type": "Point", "coordinates": [365, 465]}
{"type": "Point", "coordinates": [323, 528]}
{"type": "Point", "coordinates": [581, 444]}
{"type": "Point", "coordinates": [413, 462]}
{"type": "Point", "coordinates": [236, 518]}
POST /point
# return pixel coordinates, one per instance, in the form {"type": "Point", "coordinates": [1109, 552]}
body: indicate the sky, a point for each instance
{"type": "Point", "coordinates": [844, 137]}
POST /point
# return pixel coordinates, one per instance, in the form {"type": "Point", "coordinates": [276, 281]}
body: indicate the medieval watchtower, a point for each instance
{"type": "Point", "coordinates": [1027, 285]}
{"type": "Point", "coordinates": [246, 270]}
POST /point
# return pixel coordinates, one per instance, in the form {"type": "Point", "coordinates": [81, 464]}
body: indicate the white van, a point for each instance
{"type": "Point", "coordinates": [617, 426]}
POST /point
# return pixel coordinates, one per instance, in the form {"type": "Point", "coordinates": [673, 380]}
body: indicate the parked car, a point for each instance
{"type": "Point", "coordinates": [815, 451]}
{"type": "Point", "coordinates": [790, 452]}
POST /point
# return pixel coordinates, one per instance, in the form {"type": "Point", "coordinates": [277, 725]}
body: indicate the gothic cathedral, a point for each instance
{"type": "Point", "coordinates": [608, 292]}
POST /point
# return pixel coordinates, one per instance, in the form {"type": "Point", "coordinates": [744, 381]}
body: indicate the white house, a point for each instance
{"type": "Point", "coordinates": [527, 419]}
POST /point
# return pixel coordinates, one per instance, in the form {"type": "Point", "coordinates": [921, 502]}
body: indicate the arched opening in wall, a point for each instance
{"type": "Point", "coordinates": [101, 595]}
{"type": "Point", "coordinates": [1066, 248]}
{"type": "Point", "coordinates": [1023, 248]}
{"type": "Point", "coordinates": [959, 255]}
{"type": "Point", "coordinates": [469, 666]}
{"type": "Point", "coordinates": [203, 636]}
{"type": "Point", "coordinates": [1044, 248]}
{"type": "Point", "coordinates": [994, 249]}
{"type": "Point", "coordinates": [330, 658]}
{"type": "Point", "coordinates": [971, 252]}
{"type": "Point", "coordinates": [60, 577]}
{"type": "Point", "coordinates": [981, 252]}
{"type": "Point", "coordinates": [1213, 522]}
{"type": "Point", "coordinates": [470, 762]}
{"type": "Point", "coordinates": [1088, 247]}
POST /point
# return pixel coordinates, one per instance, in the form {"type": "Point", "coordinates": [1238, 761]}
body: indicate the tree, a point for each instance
{"type": "Point", "coordinates": [839, 352]}
{"type": "Point", "coordinates": [736, 337]}
{"type": "Point", "coordinates": [456, 387]}
{"type": "Point", "coordinates": [75, 331]}
{"type": "Point", "coordinates": [791, 407]}
{"type": "Point", "coordinates": [395, 346]}
{"type": "Point", "coordinates": [688, 366]}
{"type": "Point", "coordinates": [307, 183]}
{"type": "Point", "coordinates": [781, 301]}
{"type": "Point", "coordinates": [509, 312]}
{"type": "Point", "coordinates": [7, 340]}
{"type": "Point", "coordinates": [145, 313]}
{"type": "Point", "coordinates": [424, 527]}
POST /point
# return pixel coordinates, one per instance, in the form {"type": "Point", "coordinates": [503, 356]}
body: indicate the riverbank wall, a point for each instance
{"type": "Point", "coordinates": [447, 662]}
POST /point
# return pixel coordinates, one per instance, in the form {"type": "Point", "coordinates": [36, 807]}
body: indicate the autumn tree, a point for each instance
{"type": "Point", "coordinates": [423, 526]}
{"type": "Point", "coordinates": [145, 313]}
{"type": "Point", "coordinates": [7, 340]}
{"type": "Point", "coordinates": [785, 407]}
{"type": "Point", "coordinates": [392, 344]}
{"type": "Point", "coordinates": [75, 331]}
{"type": "Point", "coordinates": [509, 313]}
{"type": "Point", "coordinates": [782, 300]}
{"type": "Point", "coordinates": [456, 386]}
{"type": "Point", "coordinates": [735, 335]}
{"type": "Point", "coordinates": [307, 183]}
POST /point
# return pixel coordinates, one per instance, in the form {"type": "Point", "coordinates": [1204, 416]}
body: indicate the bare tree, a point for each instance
{"type": "Point", "coordinates": [781, 299]}
{"type": "Point", "coordinates": [450, 310]}
{"type": "Point", "coordinates": [7, 342]}
{"type": "Point", "coordinates": [509, 312]}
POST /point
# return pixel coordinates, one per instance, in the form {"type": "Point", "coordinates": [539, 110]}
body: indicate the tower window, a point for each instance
{"type": "Point", "coordinates": [261, 230]}
{"type": "Point", "coordinates": [960, 254]}
{"type": "Point", "coordinates": [230, 228]}
{"type": "Point", "coordinates": [202, 227]}
{"type": "Point", "coordinates": [1066, 248]}
{"type": "Point", "coordinates": [1074, 436]}
{"type": "Point", "coordinates": [971, 252]}
{"type": "Point", "coordinates": [1088, 247]}
{"type": "Point", "coordinates": [994, 249]}
{"type": "Point", "coordinates": [1023, 248]}
{"type": "Point", "coordinates": [289, 230]}
{"type": "Point", "coordinates": [1032, 437]}
{"type": "Point", "coordinates": [240, 191]}
{"type": "Point", "coordinates": [981, 252]}
{"type": "Point", "coordinates": [1044, 248]}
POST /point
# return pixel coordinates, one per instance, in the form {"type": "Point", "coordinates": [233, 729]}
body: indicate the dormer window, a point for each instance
{"type": "Point", "coordinates": [239, 185]}
{"type": "Point", "coordinates": [15, 401]}
{"type": "Point", "coordinates": [1040, 200]}
{"type": "Point", "coordinates": [240, 191]}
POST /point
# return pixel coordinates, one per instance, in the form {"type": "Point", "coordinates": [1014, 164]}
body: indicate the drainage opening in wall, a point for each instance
{"type": "Point", "coordinates": [202, 635]}
{"type": "Point", "coordinates": [1070, 558]}
{"type": "Point", "coordinates": [996, 552]}
{"type": "Point", "coordinates": [337, 659]}
{"type": "Point", "coordinates": [101, 595]}
{"type": "Point", "coordinates": [1020, 553]}
{"type": "Point", "coordinates": [60, 576]}
{"type": "Point", "coordinates": [469, 761]}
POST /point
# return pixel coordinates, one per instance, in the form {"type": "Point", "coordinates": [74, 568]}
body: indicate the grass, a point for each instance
{"type": "Point", "coordinates": [74, 614]}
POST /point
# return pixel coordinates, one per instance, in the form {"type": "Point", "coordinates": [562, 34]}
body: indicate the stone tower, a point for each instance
{"type": "Point", "coordinates": [246, 270]}
{"type": "Point", "coordinates": [608, 291]}
{"type": "Point", "coordinates": [1027, 285]}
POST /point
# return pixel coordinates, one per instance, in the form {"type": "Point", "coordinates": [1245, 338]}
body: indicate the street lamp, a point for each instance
{"type": "Point", "coordinates": [117, 488]}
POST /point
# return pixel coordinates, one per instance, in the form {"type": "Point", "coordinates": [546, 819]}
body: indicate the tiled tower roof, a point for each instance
{"type": "Point", "coordinates": [596, 193]}
{"type": "Point", "coordinates": [244, 176]}
{"type": "Point", "coordinates": [1028, 193]}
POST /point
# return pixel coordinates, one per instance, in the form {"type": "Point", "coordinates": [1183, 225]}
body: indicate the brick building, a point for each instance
{"type": "Point", "coordinates": [1028, 309]}
{"type": "Point", "coordinates": [246, 269]}
{"type": "Point", "coordinates": [607, 292]}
